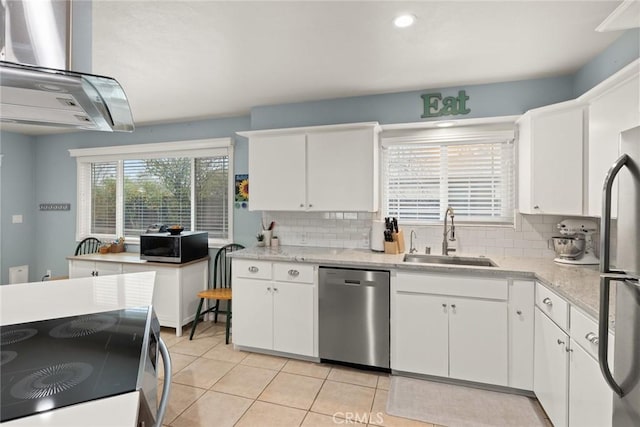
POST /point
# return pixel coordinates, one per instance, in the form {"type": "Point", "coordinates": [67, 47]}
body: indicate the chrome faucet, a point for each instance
{"type": "Point", "coordinates": [445, 234]}
{"type": "Point", "coordinates": [412, 250]}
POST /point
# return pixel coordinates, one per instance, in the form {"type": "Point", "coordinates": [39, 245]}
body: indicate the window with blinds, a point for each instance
{"type": "Point", "coordinates": [475, 177]}
{"type": "Point", "coordinates": [122, 194]}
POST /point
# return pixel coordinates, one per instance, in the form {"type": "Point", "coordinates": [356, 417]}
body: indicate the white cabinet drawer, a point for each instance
{"type": "Point", "coordinates": [584, 331]}
{"type": "Point", "coordinates": [293, 272]}
{"type": "Point", "coordinates": [552, 305]}
{"type": "Point", "coordinates": [449, 284]}
{"type": "Point", "coordinates": [252, 269]}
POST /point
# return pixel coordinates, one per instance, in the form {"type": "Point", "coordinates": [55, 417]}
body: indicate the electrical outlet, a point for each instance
{"type": "Point", "coordinates": [49, 273]}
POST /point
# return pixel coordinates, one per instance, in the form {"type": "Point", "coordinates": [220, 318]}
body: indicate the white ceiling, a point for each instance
{"type": "Point", "coordinates": [184, 60]}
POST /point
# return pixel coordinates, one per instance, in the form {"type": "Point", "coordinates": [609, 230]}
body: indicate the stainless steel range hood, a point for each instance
{"type": "Point", "coordinates": [45, 96]}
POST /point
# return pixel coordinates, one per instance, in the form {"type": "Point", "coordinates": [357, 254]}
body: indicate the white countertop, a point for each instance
{"type": "Point", "coordinates": [27, 302]}
{"type": "Point", "coordinates": [130, 258]}
{"type": "Point", "coordinates": [579, 285]}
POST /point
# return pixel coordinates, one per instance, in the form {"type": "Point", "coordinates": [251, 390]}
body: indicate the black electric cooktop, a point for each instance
{"type": "Point", "coordinates": [54, 363]}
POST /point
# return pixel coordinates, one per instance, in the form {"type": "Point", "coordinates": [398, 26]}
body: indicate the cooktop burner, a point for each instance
{"type": "Point", "coordinates": [83, 326]}
{"type": "Point", "coordinates": [51, 380]}
{"type": "Point", "coordinates": [59, 362]}
{"type": "Point", "coordinates": [13, 336]}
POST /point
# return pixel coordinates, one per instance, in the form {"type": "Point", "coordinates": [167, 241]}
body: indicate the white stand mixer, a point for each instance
{"type": "Point", "coordinates": [572, 227]}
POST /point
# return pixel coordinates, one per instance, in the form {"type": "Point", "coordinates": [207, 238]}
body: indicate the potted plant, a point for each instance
{"type": "Point", "coordinates": [260, 238]}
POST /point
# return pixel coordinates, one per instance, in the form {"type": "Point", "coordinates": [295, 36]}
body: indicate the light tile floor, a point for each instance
{"type": "Point", "coordinates": [214, 385]}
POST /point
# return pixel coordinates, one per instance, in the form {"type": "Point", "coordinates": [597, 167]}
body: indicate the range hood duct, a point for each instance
{"type": "Point", "coordinates": [44, 96]}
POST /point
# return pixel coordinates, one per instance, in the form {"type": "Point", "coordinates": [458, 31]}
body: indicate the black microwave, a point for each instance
{"type": "Point", "coordinates": [180, 248]}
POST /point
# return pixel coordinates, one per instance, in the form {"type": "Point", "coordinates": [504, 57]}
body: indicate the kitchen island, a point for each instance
{"type": "Point", "coordinates": [31, 302]}
{"type": "Point", "coordinates": [177, 285]}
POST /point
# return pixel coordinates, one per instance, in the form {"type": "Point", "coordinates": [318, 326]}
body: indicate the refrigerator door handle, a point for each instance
{"type": "Point", "coordinates": [605, 224]}
{"type": "Point", "coordinates": [603, 332]}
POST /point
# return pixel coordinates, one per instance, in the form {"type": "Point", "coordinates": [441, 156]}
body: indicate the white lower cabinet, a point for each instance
{"type": "Point", "coordinates": [551, 369]}
{"type": "Point", "coordinates": [521, 324]}
{"type": "Point", "coordinates": [450, 336]}
{"type": "Point", "coordinates": [590, 398]}
{"type": "Point", "coordinates": [421, 334]}
{"type": "Point", "coordinates": [274, 312]}
{"type": "Point", "coordinates": [293, 318]}
{"type": "Point", "coordinates": [478, 340]}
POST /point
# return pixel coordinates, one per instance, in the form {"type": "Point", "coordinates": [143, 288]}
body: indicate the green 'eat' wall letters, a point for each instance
{"type": "Point", "coordinates": [436, 106]}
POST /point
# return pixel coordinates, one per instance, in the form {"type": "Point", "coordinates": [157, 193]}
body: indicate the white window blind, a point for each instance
{"type": "Point", "coordinates": [212, 195]}
{"type": "Point", "coordinates": [156, 191]}
{"type": "Point", "coordinates": [123, 190]}
{"type": "Point", "coordinates": [103, 197]}
{"type": "Point", "coordinates": [475, 176]}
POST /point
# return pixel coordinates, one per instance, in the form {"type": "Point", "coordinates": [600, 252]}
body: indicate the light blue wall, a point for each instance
{"type": "Point", "coordinates": [56, 180]}
{"type": "Point", "coordinates": [490, 100]}
{"type": "Point", "coordinates": [17, 182]}
{"type": "Point", "coordinates": [623, 51]}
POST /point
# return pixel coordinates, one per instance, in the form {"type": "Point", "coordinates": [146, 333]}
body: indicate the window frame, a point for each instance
{"type": "Point", "coordinates": [431, 135]}
{"type": "Point", "coordinates": [191, 149]}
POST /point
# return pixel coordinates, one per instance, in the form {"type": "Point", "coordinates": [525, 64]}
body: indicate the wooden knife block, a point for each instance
{"type": "Point", "coordinates": [397, 246]}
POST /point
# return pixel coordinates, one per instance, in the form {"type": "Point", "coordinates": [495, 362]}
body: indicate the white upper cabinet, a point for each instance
{"type": "Point", "coordinates": [550, 159]}
{"type": "Point", "coordinates": [277, 172]}
{"type": "Point", "coordinates": [320, 168]}
{"type": "Point", "coordinates": [612, 112]}
{"type": "Point", "coordinates": [342, 169]}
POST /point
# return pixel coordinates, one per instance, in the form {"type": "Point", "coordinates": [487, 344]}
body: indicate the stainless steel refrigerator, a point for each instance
{"type": "Point", "coordinates": [625, 275]}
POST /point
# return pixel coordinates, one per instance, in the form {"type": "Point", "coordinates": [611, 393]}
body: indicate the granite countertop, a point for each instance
{"type": "Point", "coordinates": [579, 285]}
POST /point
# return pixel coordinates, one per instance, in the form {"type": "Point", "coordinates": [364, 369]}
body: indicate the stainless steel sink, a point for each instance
{"type": "Point", "coordinates": [450, 260]}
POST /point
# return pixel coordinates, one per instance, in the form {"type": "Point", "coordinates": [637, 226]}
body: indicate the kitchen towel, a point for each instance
{"type": "Point", "coordinates": [459, 406]}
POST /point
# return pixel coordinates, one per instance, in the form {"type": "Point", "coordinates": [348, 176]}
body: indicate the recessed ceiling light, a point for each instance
{"type": "Point", "coordinates": [445, 124]}
{"type": "Point", "coordinates": [404, 21]}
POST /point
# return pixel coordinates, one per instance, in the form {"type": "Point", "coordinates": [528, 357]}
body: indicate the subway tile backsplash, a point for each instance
{"type": "Point", "coordinates": [528, 238]}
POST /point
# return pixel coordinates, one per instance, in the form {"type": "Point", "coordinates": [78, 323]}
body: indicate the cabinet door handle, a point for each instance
{"type": "Point", "coordinates": [302, 205]}
{"type": "Point", "coordinates": [253, 269]}
{"type": "Point", "coordinates": [548, 302]}
{"type": "Point", "coordinates": [294, 273]}
{"type": "Point", "coordinates": [536, 207]}
{"type": "Point", "coordinates": [519, 312]}
{"type": "Point", "coordinates": [275, 289]}
{"type": "Point", "coordinates": [444, 305]}
{"type": "Point", "coordinates": [453, 306]}
{"type": "Point", "coordinates": [560, 342]}
{"type": "Point", "coordinates": [592, 338]}
{"type": "Point", "coordinates": [310, 205]}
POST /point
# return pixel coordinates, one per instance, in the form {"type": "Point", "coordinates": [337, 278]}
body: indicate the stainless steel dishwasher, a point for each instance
{"type": "Point", "coordinates": [354, 316]}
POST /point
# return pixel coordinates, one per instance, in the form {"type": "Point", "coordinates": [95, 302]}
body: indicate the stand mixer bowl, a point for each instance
{"type": "Point", "coordinates": [569, 247]}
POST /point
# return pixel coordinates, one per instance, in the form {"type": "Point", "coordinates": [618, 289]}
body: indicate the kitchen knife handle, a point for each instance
{"type": "Point", "coordinates": [605, 224]}
{"type": "Point", "coordinates": [603, 332]}
{"type": "Point", "coordinates": [166, 386]}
